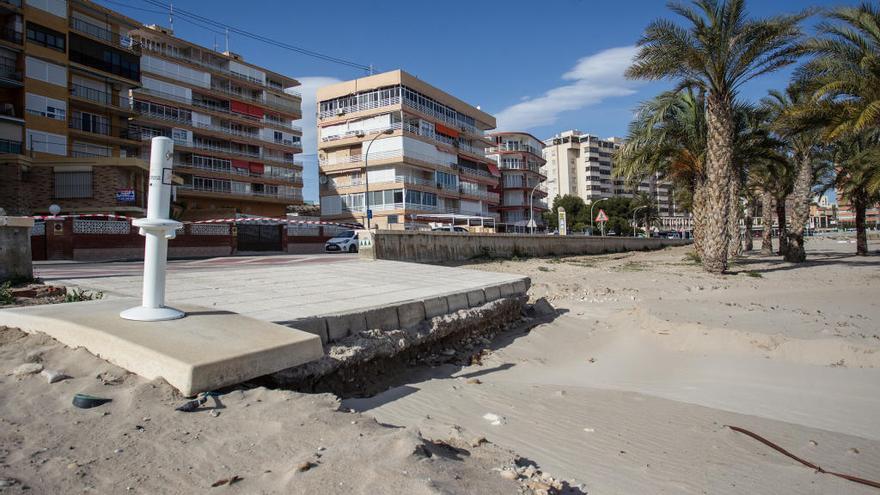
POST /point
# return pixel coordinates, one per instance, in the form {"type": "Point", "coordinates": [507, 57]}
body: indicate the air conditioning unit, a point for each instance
{"type": "Point", "coordinates": [340, 112]}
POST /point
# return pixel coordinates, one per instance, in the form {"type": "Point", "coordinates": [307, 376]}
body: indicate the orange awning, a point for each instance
{"type": "Point", "coordinates": [448, 131]}
{"type": "Point", "coordinates": [493, 169]}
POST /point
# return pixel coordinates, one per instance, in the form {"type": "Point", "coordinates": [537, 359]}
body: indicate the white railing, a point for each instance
{"type": "Point", "coordinates": [359, 107]}
{"type": "Point", "coordinates": [353, 133]}
{"type": "Point", "coordinates": [292, 175]}
{"type": "Point", "coordinates": [296, 195]}
{"type": "Point", "coordinates": [473, 171]}
{"type": "Point", "coordinates": [385, 155]}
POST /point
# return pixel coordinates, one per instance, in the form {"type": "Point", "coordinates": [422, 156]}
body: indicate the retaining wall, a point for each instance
{"type": "Point", "coordinates": [437, 247]}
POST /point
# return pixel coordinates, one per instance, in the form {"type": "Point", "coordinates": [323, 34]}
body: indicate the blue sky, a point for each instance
{"type": "Point", "coordinates": [542, 67]}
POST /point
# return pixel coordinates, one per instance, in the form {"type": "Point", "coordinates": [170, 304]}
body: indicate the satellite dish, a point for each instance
{"type": "Point", "coordinates": [54, 210]}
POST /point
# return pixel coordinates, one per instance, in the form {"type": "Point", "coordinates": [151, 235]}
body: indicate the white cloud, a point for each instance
{"type": "Point", "coordinates": [309, 86]}
{"type": "Point", "coordinates": [593, 79]}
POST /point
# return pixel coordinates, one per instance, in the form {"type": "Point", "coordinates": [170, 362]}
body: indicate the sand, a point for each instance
{"type": "Point", "coordinates": [275, 441]}
{"type": "Point", "coordinates": [628, 389]}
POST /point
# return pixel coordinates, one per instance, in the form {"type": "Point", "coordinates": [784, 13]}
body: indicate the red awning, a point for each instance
{"type": "Point", "coordinates": [240, 164]}
{"type": "Point", "coordinates": [244, 108]}
{"type": "Point", "coordinates": [493, 169]}
{"type": "Point", "coordinates": [256, 168]}
{"type": "Point", "coordinates": [442, 129]}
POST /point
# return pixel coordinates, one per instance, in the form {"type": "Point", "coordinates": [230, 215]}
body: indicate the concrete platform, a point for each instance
{"type": "Point", "coordinates": [208, 349]}
{"type": "Point", "coordinates": [328, 299]}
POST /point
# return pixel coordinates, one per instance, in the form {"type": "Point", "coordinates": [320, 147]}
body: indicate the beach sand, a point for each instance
{"type": "Point", "coordinates": [629, 388]}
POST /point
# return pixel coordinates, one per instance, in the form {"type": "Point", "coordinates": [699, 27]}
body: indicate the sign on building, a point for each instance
{"type": "Point", "coordinates": [125, 195]}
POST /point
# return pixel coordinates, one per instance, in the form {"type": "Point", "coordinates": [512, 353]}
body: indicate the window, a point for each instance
{"type": "Point", "coordinates": [46, 107]}
{"type": "Point", "coordinates": [90, 122]}
{"type": "Point", "coordinates": [87, 52]}
{"type": "Point", "coordinates": [47, 142]}
{"type": "Point", "coordinates": [45, 36]}
{"type": "Point", "coordinates": [81, 149]}
{"type": "Point", "coordinates": [73, 184]}
{"type": "Point", "coordinates": [45, 71]}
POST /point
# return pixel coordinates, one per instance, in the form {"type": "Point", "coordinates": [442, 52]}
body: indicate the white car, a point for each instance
{"type": "Point", "coordinates": [343, 242]}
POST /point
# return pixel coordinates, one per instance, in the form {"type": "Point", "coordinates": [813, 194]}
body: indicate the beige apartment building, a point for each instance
{"type": "Point", "coordinates": [82, 90]}
{"type": "Point", "coordinates": [427, 161]}
{"type": "Point", "coordinates": [231, 122]}
{"type": "Point", "coordinates": [519, 158]}
{"type": "Point", "coordinates": [581, 164]}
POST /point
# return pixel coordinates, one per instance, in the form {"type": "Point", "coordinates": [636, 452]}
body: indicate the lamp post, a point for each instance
{"type": "Point", "coordinates": [361, 134]}
{"type": "Point", "coordinates": [634, 218]}
{"type": "Point", "coordinates": [531, 209]}
{"type": "Point", "coordinates": [591, 213]}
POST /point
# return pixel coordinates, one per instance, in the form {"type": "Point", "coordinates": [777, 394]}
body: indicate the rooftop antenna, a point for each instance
{"type": "Point", "coordinates": [227, 40]}
{"type": "Point", "coordinates": [371, 69]}
{"type": "Point", "coordinates": [171, 15]}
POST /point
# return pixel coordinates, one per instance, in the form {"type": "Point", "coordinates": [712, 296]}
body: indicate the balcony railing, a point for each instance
{"type": "Point", "coordinates": [292, 176]}
{"type": "Point", "coordinates": [102, 97]}
{"type": "Point", "coordinates": [366, 132]}
{"type": "Point", "coordinates": [215, 108]}
{"type": "Point", "coordinates": [218, 68]}
{"type": "Point", "coordinates": [474, 171]}
{"type": "Point", "coordinates": [147, 134]}
{"type": "Point", "coordinates": [9, 69]}
{"type": "Point", "coordinates": [102, 128]}
{"type": "Point", "coordinates": [9, 146]}
{"type": "Point", "coordinates": [105, 34]}
{"type": "Point", "coordinates": [294, 195]}
{"type": "Point", "coordinates": [386, 155]}
{"type": "Point", "coordinates": [516, 147]}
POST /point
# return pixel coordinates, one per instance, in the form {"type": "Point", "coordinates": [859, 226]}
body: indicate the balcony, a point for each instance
{"type": "Point", "coordinates": [101, 128]}
{"type": "Point", "coordinates": [218, 68]}
{"type": "Point", "coordinates": [295, 195]}
{"type": "Point", "coordinates": [10, 76]}
{"type": "Point", "coordinates": [9, 146]}
{"type": "Point", "coordinates": [11, 35]}
{"type": "Point", "coordinates": [102, 98]}
{"type": "Point", "coordinates": [292, 176]}
{"type": "Point", "coordinates": [360, 107]}
{"type": "Point", "coordinates": [400, 155]}
{"type": "Point", "coordinates": [516, 147]}
{"type": "Point", "coordinates": [278, 106]}
{"type": "Point", "coordinates": [106, 35]}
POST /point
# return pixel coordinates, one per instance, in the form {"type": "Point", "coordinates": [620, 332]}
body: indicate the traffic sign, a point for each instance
{"type": "Point", "coordinates": [601, 217]}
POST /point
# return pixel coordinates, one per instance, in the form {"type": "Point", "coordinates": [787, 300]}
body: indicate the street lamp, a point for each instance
{"type": "Point", "coordinates": [361, 134]}
{"type": "Point", "coordinates": [634, 219]}
{"type": "Point", "coordinates": [531, 209]}
{"type": "Point", "coordinates": [591, 213]}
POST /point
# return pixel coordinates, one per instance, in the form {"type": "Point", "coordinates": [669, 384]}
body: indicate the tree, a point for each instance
{"type": "Point", "coordinates": [718, 51]}
{"type": "Point", "coordinates": [647, 215]}
{"type": "Point", "coordinates": [857, 160]}
{"type": "Point", "coordinates": [802, 145]}
{"type": "Point", "coordinates": [573, 206]}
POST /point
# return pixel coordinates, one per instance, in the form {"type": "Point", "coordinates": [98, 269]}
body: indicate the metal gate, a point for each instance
{"type": "Point", "coordinates": [256, 237]}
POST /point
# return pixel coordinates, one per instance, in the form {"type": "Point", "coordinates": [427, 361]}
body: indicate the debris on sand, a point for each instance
{"type": "Point", "coordinates": [27, 369]}
{"type": "Point", "coordinates": [53, 376]}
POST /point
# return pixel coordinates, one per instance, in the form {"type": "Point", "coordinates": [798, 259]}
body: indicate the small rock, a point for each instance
{"type": "Point", "coordinates": [448, 352]}
{"type": "Point", "coordinates": [509, 474]}
{"type": "Point", "coordinates": [214, 413]}
{"type": "Point", "coordinates": [305, 466]}
{"type": "Point", "coordinates": [7, 482]}
{"type": "Point", "coordinates": [53, 376]}
{"type": "Point", "coordinates": [27, 369]}
{"type": "Point", "coordinates": [814, 443]}
{"type": "Point", "coordinates": [477, 441]}
{"type": "Point", "coordinates": [72, 465]}
{"type": "Point", "coordinates": [117, 451]}
{"type": "Point", "coordinates": [474, 381]}
{"type": "Point", "coordinates": [321, 449]}
{"type": "Point", "coordinates": [853, 450]}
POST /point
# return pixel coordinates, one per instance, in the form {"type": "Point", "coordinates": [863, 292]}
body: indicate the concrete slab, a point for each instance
{"type": "Point", "coordinates": [350, 295]}
{"type": "Point", "coordinates": [207, 349]}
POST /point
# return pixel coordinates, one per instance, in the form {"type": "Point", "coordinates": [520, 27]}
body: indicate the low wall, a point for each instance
{"type": "Point", "coordinates": [15, 250]}
{"type": "Point", "coordinates": [437, 247]}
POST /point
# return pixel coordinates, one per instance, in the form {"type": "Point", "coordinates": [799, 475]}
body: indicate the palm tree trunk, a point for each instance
{"type": "Point", "coordinates": [748, 221]}
{"type": "Point", "coordinates": [767, 221]}
{"type": "Point", "coordinates": [783, 230]}
{"type": "Point", "coordinates": [800, 211]}
{"type": "Point", "coordinates": [736, 214]}
{"type": "Point", "coordinates": [698, 210]}
{"type": "Point", "coordinates": [861, 228]}
{"type": "Point", "coordinates": [719, 165]}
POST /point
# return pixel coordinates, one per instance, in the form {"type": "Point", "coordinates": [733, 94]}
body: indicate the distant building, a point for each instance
{"type": "Point", "coordinates": [846, 215]}
{"type": "Point", "coordinates": [519, 158]}
{"type": "Point", "coordinates": [581, 164]}
{"type": "Point", "coordinates": [427, 161]}
{"type": "Point", "coordinates": [232, 125]}
{"type": "Point", "coordinates": [84, 88]}
{"type": "Point", "coordinates": [66, 68]}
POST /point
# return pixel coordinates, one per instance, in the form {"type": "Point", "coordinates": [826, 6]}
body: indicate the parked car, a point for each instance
{"type": "Point", "coordinates": [346, 241]}
{"type": "Point", "coordinates": [449, 228]}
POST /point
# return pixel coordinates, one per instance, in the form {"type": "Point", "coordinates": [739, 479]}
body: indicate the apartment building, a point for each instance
{"type": "Point", "coordinates": [520, 161]}
{"type": "Point", "coordinates": [84, 88]}
{"type": "Point", "coordinates": [581, 164]}
{"type": "Point", "coordinates": [231, 122]}
{"type": "Point", "coordinates": [66, 69]}
{"type": "Point", "coordinates": [427, 154]}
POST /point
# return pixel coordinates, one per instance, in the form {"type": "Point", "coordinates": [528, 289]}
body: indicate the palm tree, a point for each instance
{"type": "Point", "coordinates": [668, 138]}
{"type": "Point", "coordinates": [857, 160]}
{"type": "Point", "coordinates": [844, 75]}
{"type": "Point", "coordinates": [803, 147]}
{"type": "Point", "coordinates": [719, 50]}
{"type": "Point", "coordinates": [648, 213]}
